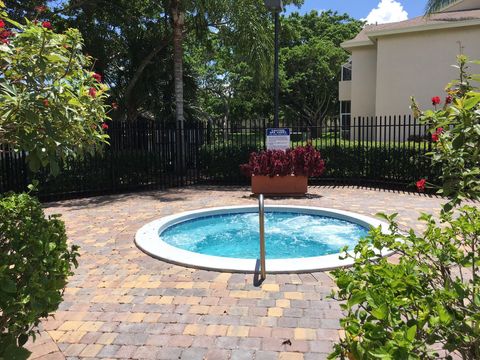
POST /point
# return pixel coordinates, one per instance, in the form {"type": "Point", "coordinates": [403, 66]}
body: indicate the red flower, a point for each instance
{"type": "Point", "coordinates": [448, 99]}
{"type": "Point", "coordinates": [46, 103]}
{"type": "Point", "coordinates": [40, 8]}
{"type": "Point", "coordinates": [436, 100]}
{"type": "Point", "coordinates": [4, 36]}
{"type": "Point", "coordinates": [421, 185]}
{"type": "Point", "coordinates": [436, 134]}
{"type": "Point", "coordinates": [97, 77]}
{"type": "Point", "coordinates": [92, 92]}
{"type": "Point", "coordinates": [114, 105]}
{"type": "Point", "coordinates": [47, 25]}
{"type": "Point", "coordinates": [2, 24]}
{"type": "Point", "coordinates": [105, 126]}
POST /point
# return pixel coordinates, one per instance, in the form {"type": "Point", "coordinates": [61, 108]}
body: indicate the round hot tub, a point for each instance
{"type": "Point", "coordinates": [298, 239]}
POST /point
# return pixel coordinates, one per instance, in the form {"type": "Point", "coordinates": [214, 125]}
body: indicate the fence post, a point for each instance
{"type": "Point", "coordinates": [336, 131]}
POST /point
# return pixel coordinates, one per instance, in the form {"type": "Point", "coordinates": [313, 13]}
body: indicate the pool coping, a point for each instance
{"type": "Point", "coordinates": [147, 240]}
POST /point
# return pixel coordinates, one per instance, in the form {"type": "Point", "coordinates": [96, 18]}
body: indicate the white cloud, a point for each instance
{"type": "Point", "coordinates": [387, 11]}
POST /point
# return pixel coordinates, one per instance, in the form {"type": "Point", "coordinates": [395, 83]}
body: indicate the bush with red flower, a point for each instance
{"type": "Point", "coordinates": [63, 93]}
{"type": "Point", "coordinates": [47, 111]}
{"type": "Point", "coordinates": [455, 131]}
{"type": "Point", "coordinates": [428, 299]}
{"type": "Point", "coordinates": [303, 160]}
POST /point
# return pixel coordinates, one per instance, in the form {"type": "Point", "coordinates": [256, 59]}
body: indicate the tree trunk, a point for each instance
{"type": "Point", "coordinates": [178, 23]}
{"type": "Point", "coordinates": [141, 68]}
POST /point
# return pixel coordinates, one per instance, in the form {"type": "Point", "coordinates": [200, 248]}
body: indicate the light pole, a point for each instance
{"type": "Point", "coordinates": [276, 7]}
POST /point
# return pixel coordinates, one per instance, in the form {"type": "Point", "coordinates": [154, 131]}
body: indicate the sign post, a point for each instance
{"type": "Point", "coordinates": [278, 139]}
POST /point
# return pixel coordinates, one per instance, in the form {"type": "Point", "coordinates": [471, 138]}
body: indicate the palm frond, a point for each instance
{"type": "Point", "coordinates": [434, 6]}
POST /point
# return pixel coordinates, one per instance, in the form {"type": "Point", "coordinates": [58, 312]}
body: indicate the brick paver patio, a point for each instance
{"type": "Point", "coordinates": [122, 303]}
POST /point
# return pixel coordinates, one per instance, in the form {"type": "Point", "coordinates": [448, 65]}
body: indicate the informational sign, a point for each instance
{"type": "Point", "coordinates": [278, 139]}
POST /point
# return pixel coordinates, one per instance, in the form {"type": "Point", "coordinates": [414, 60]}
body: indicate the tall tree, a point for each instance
{"type": "Point", "coordinates": [177, 10]}
{"type": "Point", "coordinates": [138, 44]}
{"type": "Point", "coordinates": [242, 18]}
{"type": "Point", "coordinates": [311, 57]}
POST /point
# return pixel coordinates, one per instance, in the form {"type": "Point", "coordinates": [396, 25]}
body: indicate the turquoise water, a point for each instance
{"type": "Point", "coordinates": [287, 235]}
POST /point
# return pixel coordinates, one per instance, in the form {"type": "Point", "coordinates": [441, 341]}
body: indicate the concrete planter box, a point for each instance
{"type": "Point", "coordinates": [279, 185]}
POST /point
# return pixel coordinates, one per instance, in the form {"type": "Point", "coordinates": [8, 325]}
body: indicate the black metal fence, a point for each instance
{"type": "Point", "coordinates": [389, 151]}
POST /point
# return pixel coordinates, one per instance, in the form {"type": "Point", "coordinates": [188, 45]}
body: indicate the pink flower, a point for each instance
{"type": "Point", "coordinates": [105, 126]}
{"type": "Point", "coordinates": [421, 185]}
{"type": "Point", "coordinates": [2, 24]}
{"type": "Point", "coordinates": [97, 77]}
{"type": "Point", "coordinates": [47, 25]}
{"type": "Point", "coordinates": [448, 99]}
{"type": "Point", "coordinates": [92, 92]}
{"type": "Point", "coordinates": [436, 100]}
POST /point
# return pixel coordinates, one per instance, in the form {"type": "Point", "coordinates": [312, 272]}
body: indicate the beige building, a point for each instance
{"type": "Point", "coordinates": [389, 63]}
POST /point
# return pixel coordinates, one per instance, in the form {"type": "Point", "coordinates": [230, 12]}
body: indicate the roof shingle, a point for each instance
{"type": "Point", "coordinates": [439, 18]}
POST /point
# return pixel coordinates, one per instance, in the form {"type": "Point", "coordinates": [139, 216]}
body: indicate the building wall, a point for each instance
{"type": "Point", "coordinates": [417, 64]}
{"type": "Point", "coordinates": [464, 5]}
{"type": "Point", "coordinates": [363, 87]}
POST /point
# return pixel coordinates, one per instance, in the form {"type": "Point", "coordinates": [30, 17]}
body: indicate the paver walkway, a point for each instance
{"type": "Point", "coordinates": [122, 303]}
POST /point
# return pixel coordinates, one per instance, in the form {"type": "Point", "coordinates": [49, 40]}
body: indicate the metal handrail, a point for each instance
{"type": "Point", "coordinates": [261, 216]}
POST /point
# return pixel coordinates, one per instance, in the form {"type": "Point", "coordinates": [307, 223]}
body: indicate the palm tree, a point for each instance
{"type": "Point", "coordinates": [177, 11]}
{"type": "Point", "coordinates": [434, 6]}
{"type": "Point", "coordinates": [244, 16]}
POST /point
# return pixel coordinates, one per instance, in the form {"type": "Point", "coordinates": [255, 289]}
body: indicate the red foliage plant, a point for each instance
{"type": "Point", "coordinates": [303, 160]}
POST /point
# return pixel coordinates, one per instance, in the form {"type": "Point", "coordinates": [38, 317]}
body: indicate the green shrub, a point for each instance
{"type": "Point", "coordinates": [377, 163]}
{"type": "Point", "coordinates": [35, 262]}
{"type": "Point", "coordinates": [399, 311]}
{"type": "Point", "coordinates": [223, 162]}
{"type": "Point", "coordinates": [355, 162]}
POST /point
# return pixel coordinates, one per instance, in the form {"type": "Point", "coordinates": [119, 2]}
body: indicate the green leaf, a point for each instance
{"type": "Point", "coordinates": [13, 352]}
{"type": "Point", "coordinates": [458, 141]}
{"type": "Point", "coordinates": [380, 312]}
{"type": "Point", "coordinates": [56, 58]}
{"type": "Point", "coordinates": [22, 339]}
{"type": "Point", "coordinates": [8, 286]}
{"type": "Point", "coordinates": [411, 333]}
{"type": "Point", "coordinates": [34, 162]}
{"type": "Point", "coordinates": [381, 354]}
{"type": "Point", "coordinates": [443, 314]}
{"type": "Point", "coordinates": [471, 102]}
{"type": "Point", "coordinates": [54, 167]}
{"type": "Point", "coordinates": [357, 297]}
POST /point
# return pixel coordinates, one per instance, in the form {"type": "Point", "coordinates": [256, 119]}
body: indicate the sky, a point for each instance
{"type": "Point", "coordinates": [373, 11]}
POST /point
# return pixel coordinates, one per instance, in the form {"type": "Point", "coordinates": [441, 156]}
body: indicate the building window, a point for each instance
{"type": "Point", "coordinates": [347, 71]}
{"type": "Point", "coordinates": [345, 117]}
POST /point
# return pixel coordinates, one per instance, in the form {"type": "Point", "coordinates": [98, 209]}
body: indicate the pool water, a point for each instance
{"type": "Point", "coordinates": [287, 235]}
